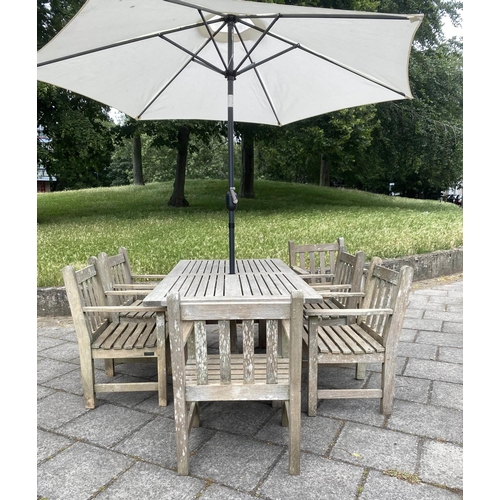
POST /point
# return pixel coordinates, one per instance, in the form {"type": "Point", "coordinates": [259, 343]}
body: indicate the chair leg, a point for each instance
{"type": "Point", "coordinates": [88, 381]}
{"type": "Point", "coordinates": [294, 433]}
{"type": "Point", "coordinates": [109, 367]}
{"type": "Point", "coordinates": [161, 353]}
{"type": "Point", "coordinates": [312, 378]}
{"type": "Point", "coordinates": [388, 379]}
{"type": "Point", "coordinates": [181, 437]}
{"type": "Point", "coordinates": [360, 371]}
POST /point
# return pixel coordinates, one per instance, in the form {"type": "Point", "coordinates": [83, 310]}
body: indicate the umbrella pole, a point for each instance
{"type": "Point", "coordinates": [231, 198]}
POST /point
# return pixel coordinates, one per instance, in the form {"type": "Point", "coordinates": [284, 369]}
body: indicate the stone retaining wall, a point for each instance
{"type": "Point", "coordinates": [53, 301]}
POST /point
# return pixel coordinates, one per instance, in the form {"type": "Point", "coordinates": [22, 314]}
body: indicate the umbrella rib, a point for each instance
{"type": "Point", "coordinates": [123, 42]}
{"type": "Point", "coordinates": [320, 56]}
{"type": "Point", "coordinates": [268, 97]}
{"type": "Point", "coordinates": [262, 36]}
{"type": "Point", "coordinates": [194, 55]}
{"type": "Point", "coordinates": [194, 58]}
{"type": "Point", "coordinates": [212, 36]}
{"type": "Point", "coordinates": [357, 73]}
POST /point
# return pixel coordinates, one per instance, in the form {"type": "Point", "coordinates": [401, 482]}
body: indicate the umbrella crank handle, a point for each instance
{"type": "Point", "coordinates": [231, 199]}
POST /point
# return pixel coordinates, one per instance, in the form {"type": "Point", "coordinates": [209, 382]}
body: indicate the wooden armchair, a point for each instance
{"type": "Point", "coordinates": [315, 263]}
{"type": "Point", "coordinates": [99, 337]}
{"type": "Point", "coordinates": [199, 376]}
{"type": "Point", "coordinates": [372, 338]}
{"type": "Point", "coordinates": [345, 292]}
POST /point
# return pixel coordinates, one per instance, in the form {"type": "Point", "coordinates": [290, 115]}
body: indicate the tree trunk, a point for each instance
{"type": "Point", "coordinates": [247, 170]}
{"type": "Point", "coordinates": [137, 159]}
{"type": "Point", "coordinates": [177, 199]}
{"type": "Point", "coordinates": [324, 178]}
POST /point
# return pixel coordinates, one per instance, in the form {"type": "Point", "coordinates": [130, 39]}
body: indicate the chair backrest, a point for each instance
{"type": "Point", "coordinates": [386, 288]}
{"type": "Point", "coordinates": [349, 272]}
{"type": "Point", "coordinates": [315, 259]}
{"type": "Point", "coordinates": [283, 315]}
{"type": "Point", "coordinates": [114, 271]}
{"type": "Point", "coordinates": [84, 289]}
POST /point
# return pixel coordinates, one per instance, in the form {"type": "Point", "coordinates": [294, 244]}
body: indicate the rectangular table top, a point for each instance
{"type": "Point", "coordinates": [210, 279]}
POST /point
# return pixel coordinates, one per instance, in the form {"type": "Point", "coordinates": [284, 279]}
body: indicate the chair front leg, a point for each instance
{"type": "Point", "coordinates": [161, 353]}
{"type": "Point", "coordinates": [312, 377]}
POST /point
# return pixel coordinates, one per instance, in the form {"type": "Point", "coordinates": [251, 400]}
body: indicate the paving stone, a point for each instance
{"type": "Point", "coordinates": [59, 408]}
{"type": "Point", "coordinates": [430, 292]}
{"type": "Point", "coordinates": [155, 442]}
{"type": "Point", "coordinates": [319, 479]}
{"type": "Point", "coordinates": [234, 460]}
{"type": "Point", "coordinates": [382, 487]}
{"type": "Point", "coordinates": [451, 355]}
{"type": "Point", "coordinates": [44, 343]}
{"type": "Point", "coordinates": [151, 405]}
{"type": "Point", "coordinates": [317, 433]}
{"type": "Point", "coordinates": [444, 316]}
{"type": "Point", "coordinates": [217, 492]}
{"type": "Point", "coordinates": [150, 482]}
{"type": "Point", "coordinates": [446, 394]}
{"type": "Point", "coordinates": [48, 369]}
{"type": "Point", "coordinates": [411, 349]}
{"type": "Point", "coordinates": [408, 335]}
{"type": "Point", "coordinates": [440, 339]}
{"type": "Point", "coordinates": [242, 417]}
{"type": "Point", "coordinates": [106, 425]}
{"type": "Point", "coordinates": [453, 327]}
{"type": "Point", "coordinates": [442, 463]}
{"type": "Point", "coordinates": [414, 313]}
{"type": "Point", "coordinates": [49, 444]}
{"type": "Point", "coordinates": [435, 370]}
{"type": "Point", "coordinates": [43, 392]}
{"type": "Point", "coordinates": [64, 351]}
{"type": "Point", "coordinates": [79, 472]}
{"type": "Point", "coordinates": [72, 382]}
{"type": "Point", "coordinates": [427, 420]}
{"type": "Point", "coordinates": [365, 411]}
{"type": "Point", "coordinates": [433, 325]}
{"type": "Point", "coordinates": [368, 446]}
{"type": "Point", "coordinates": [407, 388]}
{"type": "Point", "coordinates": [336, 377]}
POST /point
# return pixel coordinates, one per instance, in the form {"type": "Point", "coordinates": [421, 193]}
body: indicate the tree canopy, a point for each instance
{"type": "Point", "coordinates": [414, 144]}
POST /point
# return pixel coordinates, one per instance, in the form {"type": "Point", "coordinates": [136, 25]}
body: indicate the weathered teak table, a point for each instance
{"type": "Point", "coordinates": [210, 280]}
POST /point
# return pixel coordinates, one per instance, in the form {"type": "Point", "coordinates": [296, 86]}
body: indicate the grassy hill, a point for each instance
{"type": "Point", "coordinates": [73, 225]}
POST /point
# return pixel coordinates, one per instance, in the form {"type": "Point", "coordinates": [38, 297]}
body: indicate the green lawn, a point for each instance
{"type": "Point", "coordinates": [74, 225]}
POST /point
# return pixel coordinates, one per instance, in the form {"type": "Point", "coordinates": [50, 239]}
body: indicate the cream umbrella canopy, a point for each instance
{"type": "Point", "coordinates": [230, 60]}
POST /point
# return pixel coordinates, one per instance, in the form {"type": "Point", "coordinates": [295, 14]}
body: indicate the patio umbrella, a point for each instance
{"type": "Point", "coordinates": [229, 60]}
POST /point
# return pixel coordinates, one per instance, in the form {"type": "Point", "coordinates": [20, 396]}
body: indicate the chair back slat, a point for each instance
{"type": "Point", "coordinates": [382, 288]}
{"type": "Point", "coordinates": [349, 272]}
{"type": "Point", "coordinates": [316, 258]}
{"type": "Point", "coordinates": [84, 289]}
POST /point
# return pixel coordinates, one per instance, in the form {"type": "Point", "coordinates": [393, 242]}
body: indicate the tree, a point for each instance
{"type": "Point", "coordinates": [178, 199]}
{"type": "Point", "coordinates": [79, 129]}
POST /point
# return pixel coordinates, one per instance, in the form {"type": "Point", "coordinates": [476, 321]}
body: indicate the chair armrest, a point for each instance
{"type": "Point", "coordinates": [329, 286]}
{"type": "Point", "coordinates": [134, 286]}
{"type": "Point", "coordinates": [345, 312]}
{"type": "Point", "coordinates": [148, 276]}
{"type": "Point", "coordinates": [137, 292]}
{"type": "Point", "coordinates": [111, 309]}
{"type": "Point", "coordinates": [341, 294]}
{"type": "Point", "coordinates": [317, 275]}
